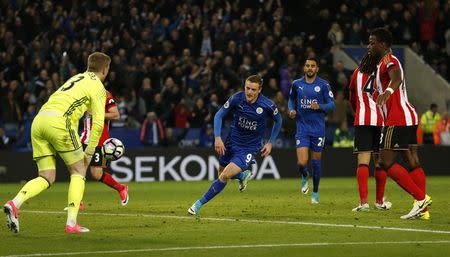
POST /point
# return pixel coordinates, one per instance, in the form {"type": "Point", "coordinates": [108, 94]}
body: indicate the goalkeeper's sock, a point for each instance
{"type": "Point", "coordinates": [401, 176]}
{"type": "Point", "coordinates": [110, 181]}
{"type": "Point", "coordinates": [362, 175]}
{"type": "Point", "coordinates": [380, 183]}
{"type": "Point", "coordinates": [303, 170]}
{"type": "Point", "coordinates": [317, 172]}
{"type": "Point", "coordinates": [30, 189]}
{"type": "Point", "coordinates": [216, 187]}
{"type": "Point", "coordinates": [76, 190]}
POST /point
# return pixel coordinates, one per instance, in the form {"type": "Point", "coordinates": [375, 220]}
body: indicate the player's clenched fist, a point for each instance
{"type": "Point", "coordinates": [292, 114]}
{"type": "Point", "coordinates": [219, 146]}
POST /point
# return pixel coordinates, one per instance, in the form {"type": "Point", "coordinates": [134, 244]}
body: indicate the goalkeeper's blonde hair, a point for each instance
{"type": "Point", "coordinates": [97, 61]}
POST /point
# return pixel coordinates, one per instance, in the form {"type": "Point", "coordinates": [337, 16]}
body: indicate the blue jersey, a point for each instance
{"type": "Point", "coordinates": [249, 120]}
{"type": "Point", "coordinates": [303, 94]}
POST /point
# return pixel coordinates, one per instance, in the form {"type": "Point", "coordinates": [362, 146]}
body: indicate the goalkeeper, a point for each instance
{"type": "Point", "coordinates": [54, 130]}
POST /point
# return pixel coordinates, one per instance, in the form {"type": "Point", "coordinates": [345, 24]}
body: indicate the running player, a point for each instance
{"type": "Point", "coordinates": [250, 111]}
{"type": "Point", "coordinates": [310, 98]}
{"type": "Point", "coordinates": [368, 123]}
{"type": "Point", "coordinates": [399, 133]}
{"type": "Point", "coordinates": [54, 132]}
{"type": "Point", "coordinates": [99, 163]}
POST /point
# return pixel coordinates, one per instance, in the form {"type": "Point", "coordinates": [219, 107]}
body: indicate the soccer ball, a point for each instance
{"type": "Point", "coordinates": [113, 149]}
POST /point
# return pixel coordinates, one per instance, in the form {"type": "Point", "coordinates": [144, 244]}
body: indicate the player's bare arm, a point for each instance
{"type": "Point", "coordinates": [112, 114]}
{"type": "Point", "coordinates": [315, 106]}
{"type": "Point", "coordinates": [396, 79]}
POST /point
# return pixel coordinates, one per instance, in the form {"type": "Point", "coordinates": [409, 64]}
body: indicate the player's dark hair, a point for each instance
{"type": "Point", "coordinates": [368, 64]}
{"type": "Point", "coordinates": [97, 61]}
{"type": "Point", "coordinates": [383, 35]}
{"type": "Point", "coordinates": [312, 59]}
{"type": "Point", "coordinates": [255, 79]}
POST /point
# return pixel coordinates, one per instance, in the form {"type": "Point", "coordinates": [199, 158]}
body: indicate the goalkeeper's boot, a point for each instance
{"type": "Point", "coordinates": [12, 216]}
{"type": "Point", "coordinates": [384, 206]}
{"type": "Point", "coordinates": [304, 185]}
{"type": "Point", "coordinates": [361, 208]}
{"type": "Point", "coordinates": [418, 207]}
{"type": "Point", "coordinates": [123, 193]}
{"type": "Point", "coordinates": [195, 208]}
{"type": "Point", "coordinates": [76, 229]}
{"type": "Point", "coordinates": [314, 198]}
{"type": "Point", "coordinates": [243, 183]}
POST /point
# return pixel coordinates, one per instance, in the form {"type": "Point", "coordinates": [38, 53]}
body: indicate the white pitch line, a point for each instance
{"type": "Point", "coordinates": [255, 221]}
{"type": "Point", "coordinates": [228, 247]}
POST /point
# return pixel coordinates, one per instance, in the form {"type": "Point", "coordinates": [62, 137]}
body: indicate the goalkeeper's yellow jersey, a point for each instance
{"type": "Point", "coordinates": [80, 93]}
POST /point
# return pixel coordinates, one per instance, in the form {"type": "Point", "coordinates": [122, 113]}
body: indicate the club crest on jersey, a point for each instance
{"type": "Point", "coordinates": [317, 89]}
{"type": "Point", "coordinates": [226, 105]}
{"type": "Point", "coordinates": [259, 110]}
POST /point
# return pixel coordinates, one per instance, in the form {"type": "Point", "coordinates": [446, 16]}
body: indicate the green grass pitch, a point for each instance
{"type": "Point", "coordinates": [271, 218]}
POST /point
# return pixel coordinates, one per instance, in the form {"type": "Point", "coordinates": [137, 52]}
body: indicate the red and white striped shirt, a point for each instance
{"type": "Point", "coordinates": [362, 95]}
{"type": "Point", "coordinates": [397, 110]}
{"type": "Point", "coordinates": [110, 102]}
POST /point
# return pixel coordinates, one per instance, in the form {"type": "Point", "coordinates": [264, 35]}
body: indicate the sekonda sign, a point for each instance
{"type": "Point", "coordinates": [191, 167]}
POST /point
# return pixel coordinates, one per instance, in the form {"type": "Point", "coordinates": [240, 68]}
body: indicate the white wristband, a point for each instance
{"type": "Point", "coordinates": [390, 90]}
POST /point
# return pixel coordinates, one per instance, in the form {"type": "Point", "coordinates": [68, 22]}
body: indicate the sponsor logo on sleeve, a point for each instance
{"type": "Point", "coordinates": [226, 105]}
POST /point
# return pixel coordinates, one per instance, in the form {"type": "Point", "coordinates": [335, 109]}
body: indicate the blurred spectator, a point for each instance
{"type": "Point", "coordinates": [342, 136]}
{"type": "Point", "coordinates": [182, 115]}
{"type": "Point", "coordinates": [428, 122]}
{"type": "Point", "coordinates": [343, 112]}
{"type": "Point", "coordinates": [152, 130]}
{"type": "Point", "coordinates": [5, 141]}
{"type": "Point", "coordinates": [24, 138]}
{"type": "Point", "coordinates": [207, 137]}
{"type": "Point", "coordinates": [11, 113]}
{"type": "Point", "coordinates": [199, 113]}
{"type": "Point", "coordinates": [442, 131]}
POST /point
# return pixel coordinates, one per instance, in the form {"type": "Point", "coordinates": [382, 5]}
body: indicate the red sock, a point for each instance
{"type": "Point", "coordinates": [110, 181]}
{"type": "Point", "coordinates": [418, 176]}
{"type": "Point", "coordinates": [380, 183]}
{"type": "Point", "coordinates": [362, 175]}
{"type": "Point", "coordinates": [401, 176]}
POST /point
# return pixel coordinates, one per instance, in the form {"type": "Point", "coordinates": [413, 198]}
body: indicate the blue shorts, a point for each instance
{"type": "Point", "coordinates": [312, 142]}
{"type": "Point", "coordinates": [243, 158]}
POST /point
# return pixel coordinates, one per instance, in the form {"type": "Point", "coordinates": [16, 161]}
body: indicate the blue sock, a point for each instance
{"type": "Point", "coordinates": [303, 170]}
{"type": "Point", "coordinates": [216, 187]}
{"type": "Point", "coordinates": [317, 172]}
{"type": "Point", "coordinates": [239, 176]}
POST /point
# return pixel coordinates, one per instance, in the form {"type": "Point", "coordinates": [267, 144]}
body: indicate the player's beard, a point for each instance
{"type": "Point", "coordinates": [310, 75]}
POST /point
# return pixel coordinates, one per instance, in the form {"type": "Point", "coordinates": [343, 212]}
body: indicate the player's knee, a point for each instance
{"type": "Point", "coordinates": [302, 162]}
{"type": "Point", "coordinates": [96, 173]}
{"type": "Point", "coordinates": [223, 177]}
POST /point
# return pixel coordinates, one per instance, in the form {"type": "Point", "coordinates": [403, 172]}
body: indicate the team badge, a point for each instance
{"type": "Point", "coordinates": [317, 89]}
{"type": "Point", "coordinates": [275, 112]}
{"type": "Point", "coordinates": [226, 105]}
{"type": "Point", "coordinates": [259, 110]}
{"type": "Point", "coordinates": [331, 94]}
{"type": "Point", "coordinates": [297, 142]}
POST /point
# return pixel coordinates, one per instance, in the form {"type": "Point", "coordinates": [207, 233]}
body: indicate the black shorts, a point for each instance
{"type": "Point", "coordinates": [367, 139]}
{"type": "Point", "coordinates": [97, 158]}
{"type": "Point", "coordinates": [398, 137]}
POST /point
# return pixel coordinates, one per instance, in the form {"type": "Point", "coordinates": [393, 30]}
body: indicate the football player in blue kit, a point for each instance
{"type": "Point", "coordinates": [309, 100]}
{"type": "Point", "coordinates": [250, 111]}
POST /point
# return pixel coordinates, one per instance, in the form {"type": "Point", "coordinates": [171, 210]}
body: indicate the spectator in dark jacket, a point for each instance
{"type": "Point", "coordinates": [152, 131]}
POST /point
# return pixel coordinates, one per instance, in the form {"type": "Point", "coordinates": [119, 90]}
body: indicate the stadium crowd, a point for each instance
{"type": "Point", "coordinates": [174, 63]}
